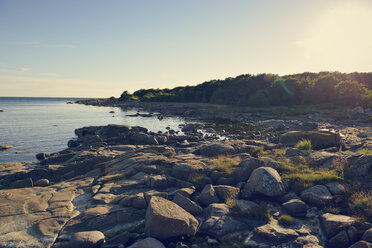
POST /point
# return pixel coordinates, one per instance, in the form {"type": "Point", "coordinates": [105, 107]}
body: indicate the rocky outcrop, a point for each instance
{"type": "Point", "coordinates": [165, 219]}
{"type": "Point", "coordinates": [319, 139]}
{"type": "Point", "coordinates": [333, 223]}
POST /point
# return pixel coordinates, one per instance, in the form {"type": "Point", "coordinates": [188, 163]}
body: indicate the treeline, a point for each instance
{"type": "Point", "coordinates": [345, 89]}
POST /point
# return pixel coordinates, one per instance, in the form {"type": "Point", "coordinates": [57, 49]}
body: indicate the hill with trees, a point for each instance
{"type": "Point", "coordinates": [335, 88]}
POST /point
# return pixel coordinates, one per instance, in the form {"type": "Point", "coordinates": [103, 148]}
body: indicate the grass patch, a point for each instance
{"type": "Point", "coordinates": [258, 151]}
{"type": "Point", "coordinates": [365, 151]}
{"type": "Point", "coordinates": [225, 164]}
{"type": "Point", "coordinates": [285, 220]}
{"type": "Point", "coordinates": [280, 152]}
{"type": "Point", "coordinates": [261, 212]}
{"type": "Point", "coordinates": [301, 176]}
{"type": "Point", "coordinates": [332, 210]}
{"type": "Point", "coordinates": [360, 204]}
{"type": "Point", "coordinates": [304, 145]}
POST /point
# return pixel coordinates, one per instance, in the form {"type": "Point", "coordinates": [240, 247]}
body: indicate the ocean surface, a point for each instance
{"type": "Point", "coordinates": [34, 125]}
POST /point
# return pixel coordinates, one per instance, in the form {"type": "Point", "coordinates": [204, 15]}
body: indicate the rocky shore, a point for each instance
{"type": "Point", "coordinates": [243, 182]}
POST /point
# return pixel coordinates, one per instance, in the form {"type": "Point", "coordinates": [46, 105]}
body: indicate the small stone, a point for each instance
{"type": "Point", "coordinates": [42, 182]}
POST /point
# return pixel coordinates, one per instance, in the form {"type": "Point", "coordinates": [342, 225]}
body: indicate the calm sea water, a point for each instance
{"type": "Point", "coordinates": [34, 125]}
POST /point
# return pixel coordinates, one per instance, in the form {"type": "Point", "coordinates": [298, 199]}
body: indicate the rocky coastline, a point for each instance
{"type": "Point", "coordinates": [238, 179]}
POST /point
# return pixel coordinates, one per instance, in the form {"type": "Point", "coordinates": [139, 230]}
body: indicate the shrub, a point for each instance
{"type": "Point", "coordinates": [360, 204]}
{"type": "Point", "coordinates": [258, 151]}
{"type": "Point", "coordinates": [365, 151]}
{"type": "Point", "coordinates": [302, 177]}
{"type": "Point", "coordinates": [261, 212]}
{"type": "Point", "coordinates": [225, 164]}
{"type": "Point", "coordinates": [285, 220]}
{"type": "Point", "coordinates": [304, 144]}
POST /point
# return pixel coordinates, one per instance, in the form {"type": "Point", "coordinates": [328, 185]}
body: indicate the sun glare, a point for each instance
{"type": "Point", "coordinates": [341, 36]}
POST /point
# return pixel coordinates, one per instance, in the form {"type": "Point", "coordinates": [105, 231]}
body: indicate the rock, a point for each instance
{"type": "Point", "coordinates": [225, 192]}
{"type": "Point", "coordinates": [293, 152]}
{"type": "Point", "coordinates": [5, 147]}
{"type": "Point", "coordinates": [367, 236]}
{"type": "Point", "coordinates": [246, 167]}
{"type": "Point", "coordinates": [333, 224]}
{"type": "Point", "coordinates": [165, 219]}
{"type": "Point", "coordinates": [90, 239]}
{"type": "Point", "coordinates": [295, 207]}
{"type": "Point", "coordinates": [193, 128]}
{"type": "Point", "coordinates": [22, 183]}
{"type": "Point", "coordinates": [139, 201]}
{"type": "Point", "coordinates": [359, 165]}
{"type": "Point", "coordinates": [186, 192]}
{"type": "Point", "coordinates": [275, 233]}
{"type": "Point", "coordinates": [322, 159]}
{"type": "Point", "coordinates": [72, 143]}
{"type": "Point", "coordinates": [139, 138]}
{"type": "Point", "coordinates": [41, 156]}
{"type": "Point", "coordinates": [361, 244]}
{"type": "Point", "coordinates": [208, 195]}
{"type": "Point", "coordinates": [266, 181]}
{"type": "Point", "coordinates": [42, 183]}
{"type": "Point", "coordinates": [183, 170]}
{"type": "Point", "coordinates": [245, 205]}
{"type": "Point", "coordinates": [354, 234]}
{"type": "Point", "coordinates": [317, 195]}
{"type": "Point", "coordinates": [319, 139]}
{"type": "Point", "coordinates": [218, 222]}
{"type": "Point", "coordinates": [308, 241]}
{"type": "Point", "coordinates": [148, 243]}
{"type": "Point", "coordinates": [114, 131]}
{"type": "Point", "coordinates": [119, 239]}
{"type": "Point", "coordinates": [213, 150]}
{"type": "Point", "coordinates": [187, 204]}
{"type": "Point", "coordinates": [340, 240]}
{"type": "Point", "coordinates": [157, 181]}
{"type": "Point", "coordinates": [336, 188]}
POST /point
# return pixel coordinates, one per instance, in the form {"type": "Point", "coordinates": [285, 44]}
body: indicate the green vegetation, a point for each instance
{"type": "Point", "coordinates": [261, 212]}
{"type": "Point", "coordinates": [264, 90]}
{"type": "Point", "coordinates": [365, 151]}
{"type": "Point", "coordinates": [258, 151]}
{"type": "Point", "coordinates": [225, 164]}
{"type": "Point", "coordinates": [304, 144]}
{"type": "Point", "coordinates": [301, 176]}
{"type": "Point", "coordinates": [360, 204]}
{"type": "Point", "coordinates": [285, 220]}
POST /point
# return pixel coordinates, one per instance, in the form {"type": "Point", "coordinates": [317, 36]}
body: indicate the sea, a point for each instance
{"type": "Point", "coordinates": [35, 125]}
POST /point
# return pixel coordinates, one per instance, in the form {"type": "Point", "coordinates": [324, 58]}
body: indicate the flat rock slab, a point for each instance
{"type": "Point", "coordinates": [33, 217]}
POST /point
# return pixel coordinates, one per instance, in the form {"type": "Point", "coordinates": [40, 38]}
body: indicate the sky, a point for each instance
{"type": "Point", "coordinates": [92, 48]}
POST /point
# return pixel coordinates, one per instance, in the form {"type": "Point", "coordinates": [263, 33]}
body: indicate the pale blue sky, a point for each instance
{"type": "Point", "coordinates": [101, 48]}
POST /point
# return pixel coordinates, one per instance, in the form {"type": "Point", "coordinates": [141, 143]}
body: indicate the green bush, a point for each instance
{"type": "Point", "coordinates": [304, 144]}
{"type": "Point", "coordinates": [225, 164]}
{"type": "Point", "coordinates": [285, 220]}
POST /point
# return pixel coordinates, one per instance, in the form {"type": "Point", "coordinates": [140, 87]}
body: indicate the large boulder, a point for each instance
{"type": "Point", "coordinates": [215, 149]}
{"type": "Point", "coordinates": [165, 219]}
{"type": "Point", "coordinates": [113, 131]}
{"type": "Point", "coordinates": [317, 195]}
{"type": "Point", "coordinates": [265, 181]}
{"type": "Point", "coordinates": [319, 139]}
{"type": "Point", "coordinates": [340, 240]}
{"type": "Point", "coordinates": [333, 223]}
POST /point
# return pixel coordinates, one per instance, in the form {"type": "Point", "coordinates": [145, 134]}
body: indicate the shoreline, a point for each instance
{"type": "Point", "coordinates": [128, 185]}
